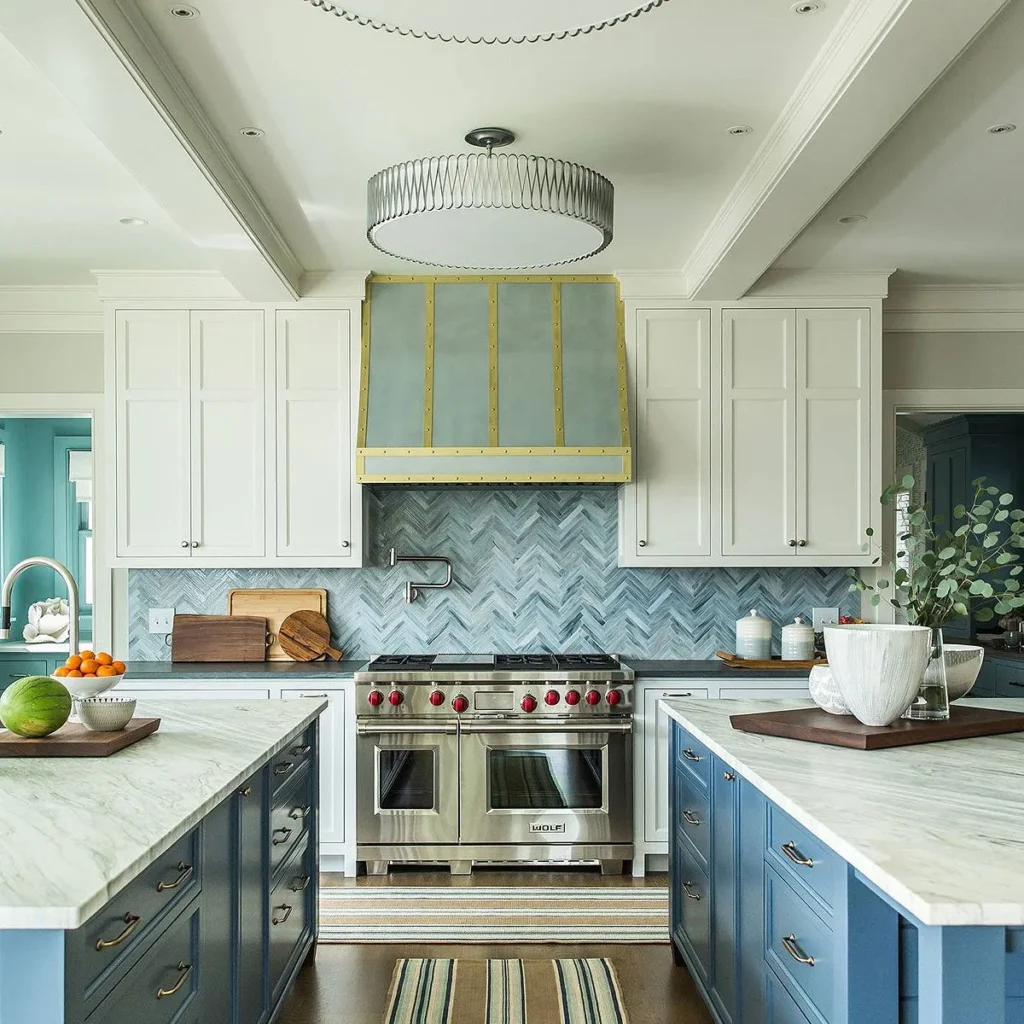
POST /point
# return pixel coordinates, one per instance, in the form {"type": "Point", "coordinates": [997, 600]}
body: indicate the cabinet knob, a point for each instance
{"type": "Point", "coordinates": [802, 544]}
{"type": "Point", "coordinates": [792, 543]}
{"type": "Point", "coordinates": [642, 543]}
{"type": "Point", "coordinates": [195, 543]}
{"type": "Point", "coordinates": [728, 776]}
{"type": "Point", "coordinates": [345, 544]}
{"type": "Point", "coordinates": [184, 543]}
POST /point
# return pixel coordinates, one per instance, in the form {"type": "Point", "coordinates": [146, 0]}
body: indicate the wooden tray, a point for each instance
{"type": "Point", "coordinates": [275, 606]}
{"type": "Point", "coordinates": [768, 665]}
{"type": "Point", "coordinates": [817, 726]}
{"type": "Point", "coordinates": [74, 740]}
{"type": "Point", "coordinates": [219, 638]}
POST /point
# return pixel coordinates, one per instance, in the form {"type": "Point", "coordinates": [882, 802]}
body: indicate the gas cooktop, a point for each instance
{"type": "Point", "coordinates": [494, 667]}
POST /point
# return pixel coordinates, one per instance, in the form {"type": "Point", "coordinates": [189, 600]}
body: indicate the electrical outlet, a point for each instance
{"type": "Point", "coordinates": [161, 620]}
{"type": "Point", "coordinates": [821, 617]}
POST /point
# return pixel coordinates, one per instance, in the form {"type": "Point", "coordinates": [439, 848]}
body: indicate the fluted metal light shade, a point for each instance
{"type": "Point", "coordinates": [490, 211]}
{"type": "Point", "coordinates": [489, 21]}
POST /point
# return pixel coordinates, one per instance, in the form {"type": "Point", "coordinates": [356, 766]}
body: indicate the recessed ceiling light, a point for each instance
{"type": "Point", "coordinates": [853, 218]}
{"type": "Point", "coordinates": [133, 222]}
{"type": "Point", "coordinates": [807, 6]}
{"type": "Point", "coordinates": [251, 133]}
{"type": "Point", "coordinates": [184, 11]}
{"type": "Point", "coordinates": [1001, 129]}
{"type": "Point", "coordinates": [739, 129]}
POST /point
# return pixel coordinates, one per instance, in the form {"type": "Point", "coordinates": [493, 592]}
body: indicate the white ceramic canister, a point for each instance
{"type": "Point", "coordinates": [798, 641]}
{"type": "Point", "coordinates": [754, 637]}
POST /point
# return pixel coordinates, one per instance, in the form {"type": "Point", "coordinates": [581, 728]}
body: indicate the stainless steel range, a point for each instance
{"type": "Point", "coordinates": [494, 758]}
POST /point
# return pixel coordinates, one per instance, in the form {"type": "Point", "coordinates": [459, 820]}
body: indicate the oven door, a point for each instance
{"type": "Point", "coordinates": [407, 782]}
{"type": "Point", "coordinates": [550, 782]}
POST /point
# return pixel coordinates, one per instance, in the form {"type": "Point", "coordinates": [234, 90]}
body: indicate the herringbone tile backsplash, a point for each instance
{"type": "Point", "coordinates": [535, 570]}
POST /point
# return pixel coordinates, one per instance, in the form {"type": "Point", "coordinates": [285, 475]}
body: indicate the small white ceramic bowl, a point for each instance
{"type": "Point", "coordinates": [963, 666]}
{"type": "Point", "coordinates": [106, 714]}
{"type": "Point", "coordinates": [81, 687]}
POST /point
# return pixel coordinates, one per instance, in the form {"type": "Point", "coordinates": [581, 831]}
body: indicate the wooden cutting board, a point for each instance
{"type": "Point", "coordinates": [306, 636]}
{"type": "Point", "coordinates": [74, 740]}
{"type": "Point", "coordinates": [275, 606]}
{"type": "Point", "coordinates": [768, 664]}
{"type": "Point", "coordinates": [219, 638]}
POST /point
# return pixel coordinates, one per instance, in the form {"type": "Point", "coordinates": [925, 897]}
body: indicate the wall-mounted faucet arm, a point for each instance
{"type": "Point", "coordinates": [412, 590]}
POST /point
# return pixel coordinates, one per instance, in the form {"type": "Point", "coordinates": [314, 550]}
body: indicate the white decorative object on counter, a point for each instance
{"type": "Point", "coordinates": [754, 637]}
{"type": "Point", "coordinates": [825, 691]}
{"type": "Point", "coordinates": [963, 666]}
{"type": "Point", "coordinates": [48, 622]}
{"type": "Point", "coordinates": [798, 641]}
{"type": "Point", "coordinates": [877, 668]}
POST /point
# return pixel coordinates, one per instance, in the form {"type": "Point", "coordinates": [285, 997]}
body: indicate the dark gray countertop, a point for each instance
{"type": "Point", "coordinates": [139, 670]}
{"type": "Point", "coordinates": [712, 669]}
{"type": "Point", "coordinates": [1000, 653]}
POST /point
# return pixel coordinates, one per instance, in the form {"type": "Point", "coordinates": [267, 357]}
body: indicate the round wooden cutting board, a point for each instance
{"type": "Point", "coordinates": [306, 636]}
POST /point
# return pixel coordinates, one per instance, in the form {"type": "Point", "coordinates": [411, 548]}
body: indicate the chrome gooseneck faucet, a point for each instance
{"type": "Point", "coordinates": [69, 581]}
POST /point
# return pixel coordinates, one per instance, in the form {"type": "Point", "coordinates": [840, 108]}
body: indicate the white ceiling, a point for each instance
{"type": "Point", "coordinates": [943, 198]}
{"type": "Point", "coordinates": [62, 194]}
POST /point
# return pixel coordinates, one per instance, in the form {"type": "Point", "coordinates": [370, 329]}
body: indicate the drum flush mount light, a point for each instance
{"type": "Point", "coordinates": [485, 21]}
{"type": "Point", "coordinates": [489, 211]}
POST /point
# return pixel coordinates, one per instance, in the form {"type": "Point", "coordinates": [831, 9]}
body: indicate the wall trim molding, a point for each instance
{"type": "Point", "coordinates": [143, 285]}
{"type": "Point", "coordinates": [646, 284]}
{"type": "Point", "coordinates": [47, 309]}
{"type": "Point", "coordinates": [779, 282]}
{"type": "Point", "coordinates": [329, 284]}
{"type": "Point", "coordinates": [955, 308]}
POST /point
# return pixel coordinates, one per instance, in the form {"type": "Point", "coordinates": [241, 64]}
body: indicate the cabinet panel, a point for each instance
{"type": "Point", "coordinates": [252, 988]}
{"type": "Point", "coordinates": [315, 447]}
{"type": "Point", "coordinates": [13, 669]}
{"type": "Point", "coordinates": [673, 443]}
{"type": "Point", "coordinates": [228, 433]}
{"type": "Point", "coordinates": [725, 801]}
{"type": "Point", "coordinates": [152, 433]}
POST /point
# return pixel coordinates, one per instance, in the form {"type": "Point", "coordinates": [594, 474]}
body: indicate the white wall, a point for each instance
{"type": "Point", "coordinates": [51, 363]}
{"type": "Point", "coordinates": [954, 359]}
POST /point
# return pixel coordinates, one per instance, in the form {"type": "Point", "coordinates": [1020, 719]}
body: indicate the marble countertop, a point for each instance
{"type": "Point", "coordinates": [713, 668]}
{"type": "Point", "coordinates": [42, 649]}
{"type": "Point", "coordinates": [136, 671]}
{"type": "Point", "coordinates": [939, 827]}
{"type": "Point", "coordinates": [77, 830]}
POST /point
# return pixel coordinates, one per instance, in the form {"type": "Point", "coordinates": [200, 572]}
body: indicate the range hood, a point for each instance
{"type": "Point", "coordinates": [508, 379]}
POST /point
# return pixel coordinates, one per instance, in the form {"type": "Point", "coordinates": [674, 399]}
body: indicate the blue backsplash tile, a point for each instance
{"type": "Point", "coordinates": [535, 570]}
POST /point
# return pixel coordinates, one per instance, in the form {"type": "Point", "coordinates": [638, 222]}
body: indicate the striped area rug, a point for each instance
{"type": "Point", "coordinates": [382, 914]}
{"type": "Point", "coordinates": [505, 992]}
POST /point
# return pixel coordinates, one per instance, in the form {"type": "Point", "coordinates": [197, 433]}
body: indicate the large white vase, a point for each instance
{"type": "Point", "coordinates": [878, 669]}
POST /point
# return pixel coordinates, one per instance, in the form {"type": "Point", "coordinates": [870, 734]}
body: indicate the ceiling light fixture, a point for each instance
{"type": "Point", "coordinates": [252, 133]}
{"type": "Point", "coordinates": [133, 222]}
{"type": "Point", "coordinates": [807, 7]}
{"type": "Point", "coordinates": [853, 218]}
{"type": "Point", "coordinates": [184, 11]}
{"type": "Point", "coordinates": [1001, 129]}
{"type": "Point", "coordinates": [489, 211]}
{"type": "Point", "coordinates": [472, 21]}
{"type": "Point", "coordinates": [739, 129]}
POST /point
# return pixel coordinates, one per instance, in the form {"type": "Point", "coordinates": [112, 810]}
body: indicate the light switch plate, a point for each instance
{"type": "Point", "coordinates": [821, 617]}
{"type": "Point", "coordinates": [161, 620]}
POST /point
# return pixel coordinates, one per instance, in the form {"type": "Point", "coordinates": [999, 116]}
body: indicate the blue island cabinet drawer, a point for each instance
{"type": "Point", "coordinates": [797, 855]}
{"type": "Point", "coordinates": [692, 814]}
{"type": "Point", "coordinates": [692, 755]}
{"type": "Point", "coordinates": [298, 754]}
{"type": "Point", "coordinates": [290, 916]}
{"type": "Point", "coordinates": [692, 897]}
{"type": "Point", "coordinates": [779, 1005]}
{"type": "Point", "coordinates": [99, 951]}
{"type": "Point", "coordinates": [163, 987]}
{"type": "Point", "coordinates": [1009, 679]}
{"type": "Point", "coordinates": [289, 811]}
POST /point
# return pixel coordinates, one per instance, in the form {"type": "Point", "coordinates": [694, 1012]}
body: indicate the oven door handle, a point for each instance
{"type": "Point", "coordinates": [397, 728]}
{"type": "Point", "coordinates": [517, 725]}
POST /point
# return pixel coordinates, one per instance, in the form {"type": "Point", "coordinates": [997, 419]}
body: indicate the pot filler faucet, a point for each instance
{"type": "Point", "coordinates": [69, 581]}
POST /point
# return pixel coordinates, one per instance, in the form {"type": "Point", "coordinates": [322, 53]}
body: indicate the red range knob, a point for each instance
{"type": "Point", "coordinates": [436, 698]}
{"type": "Point", "coordinates": [460, 704]}
{"type": "Point", "coordinates": [528, 703]}
{"type": "Point", "coordinates": [614, 697]}
{"type": "Point", "coordinates": [376, 698]}
{"type": "Point", "coordinates": [552, 697]}
{"type": "Point", "coordinates": [572, 697]}
{"type": "Point", "coordinates": [395, 698]}
{"type": "Point", "coordinates": [593, 697]}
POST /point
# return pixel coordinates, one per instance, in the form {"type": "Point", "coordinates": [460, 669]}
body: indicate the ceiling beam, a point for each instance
{"type": "Point", "coordinates": [880, 59]}
{"type": "Point", "coordinates": [108, 63]}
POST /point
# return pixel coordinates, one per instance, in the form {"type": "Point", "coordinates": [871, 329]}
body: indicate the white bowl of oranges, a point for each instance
{"type": "Point", "coordinates": [90, 673]}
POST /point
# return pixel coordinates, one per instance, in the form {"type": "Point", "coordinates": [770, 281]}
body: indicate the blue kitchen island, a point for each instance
{"type": "Point", "coordinates": [820, 885]}
{"type": "Point", "coordinates": [174, 882]}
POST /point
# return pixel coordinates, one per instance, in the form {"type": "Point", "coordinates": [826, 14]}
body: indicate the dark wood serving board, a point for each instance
{"type": "Point", "coordinates": [817, 726]}
{"type": "Point", "coordinates": [74, 740]}
{"type": "Point", "coordinates": [768, 664]}
{"type": "Point", "coordinates": [219, 638]}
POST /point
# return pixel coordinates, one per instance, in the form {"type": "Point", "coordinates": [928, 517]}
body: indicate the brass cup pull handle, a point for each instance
{"type": "Point", "coordinates": [301, 751]}
{"type": "Point", "coordinates": [789, 941]}
{"type": "Point", "coordinates": [284, 917]}
{"type": "Point", "coordinates": [186, 971]}
{"type": "Point", "coordinates": [790, 850]}
{"type": "Point", "coordinates": [245, 791]}
{"type": "Point", "coordinates": [690, 755]}
{"type": "Point", "coordinates": [298, 813]}
{"type": "Point", "coordinates": [283, 767]}
{"type": "Point", "coordinates": [690, 895]}
{"type": "Point", "coordinates": [131, 923]}
{"type": "Point", "coordinates": [186, 872]}
{"type": "Point", "coordinates": [300, 884]}
{"type": "Point", "coordinates": [688, 816]}
{"type": "Point", "coordinates": [284, 833]}
{"type": "Point", "coordinates": [728, 776]}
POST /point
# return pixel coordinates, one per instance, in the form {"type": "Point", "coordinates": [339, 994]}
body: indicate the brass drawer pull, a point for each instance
{"type": "Point", "coordinates": [790, 850]}
{"type": "Point", "coordinates": [245, 791]}
{"type": "Point", "coordinates": [301, 751]}
{"type": "Point", "coordinates": [283, 767]}
{"type": "Point", "coordinates": [284, 917]}
{"type": "Point", "coordinates": [690, 895]}
{"type": "Point", "coordinates": [131, 923]}
{"type": "Point", "coordinates": [186, 872]}
{"type": "Point", "coordinates": [300, 884]}
{"type": "Point", "coordinates": [789, 941]}
{"type": "Point", "coordinates": [690, 755]}
{"type": "Point", "coordinates": [687, 816]}
{"type": "Point", "coordinates": [285, 833]}
{"type": "Point", "coordinates": [297, 813]}
{"type": "Point", "coordinates": [186, 971]}
{"type": "Point", "coordinates": [311, 695]}
{"type": "Point", "coordinates": [728, 776]}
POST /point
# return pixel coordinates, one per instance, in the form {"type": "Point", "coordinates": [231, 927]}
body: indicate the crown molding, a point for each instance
{"type": "Point", "coordinates": [970, 308]}
{"type": "Point", "coordinates": [651, 284]}
{"type": "Point", "coordinates": [47, 309]}
{"type": "Point", "coordinates": [150, 285]}
{"type": "Point", "coordinates": [333, 284]}
{"type": "Point", "coordinates": [836, 284]}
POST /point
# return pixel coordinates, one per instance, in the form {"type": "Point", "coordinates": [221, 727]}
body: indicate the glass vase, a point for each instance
{"type": "Point", "coordinates": [932, 701]}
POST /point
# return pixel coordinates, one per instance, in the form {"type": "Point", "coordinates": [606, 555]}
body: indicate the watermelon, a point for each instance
{"type": "Point", "coordinates": [35, 706]}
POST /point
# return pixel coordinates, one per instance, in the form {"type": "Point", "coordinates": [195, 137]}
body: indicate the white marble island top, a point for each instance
{"type": "Point", "coordinates": [939, 827]}
{"type": "Point", "coordinates": [76, 830]}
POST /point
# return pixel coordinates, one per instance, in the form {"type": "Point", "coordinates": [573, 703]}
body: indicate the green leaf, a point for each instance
{"type": "Point", "coordinates": [918, 518]}
{"type": "Point", "coordinates": [962, 531]}
{"type": "Point", "coordinates": [947, 553]}
{"type": "Point", "coordinates": [991, 540]}
{"type": "Point", "coordinates": [980, 528]}
{"type": "Point", "coordinates": [947, 570]}
{"type": "Point", "coordinates": [870, 531]}
{"type": "Point", "coordinates": [901, 577]}
{"type": "Point", "coordinates": [876, 600]}
{"type": "Point", "coordinates": [1011, 586]}
{"type": "Point", "coordinates": [993, 490]}
{"type": "Point", "coordinates": [1006, 499]}
{"type": "Point", "coordinates": [1003, 608]}
{"type": "Point", "coordinates": [883, 584]}
{"type": "Point", "coordinates": [1017, 570]}
{"type": "Point", "coordinates": [960, 608]}
{"type": "Point", "coordinates": [984, 615]}
{"type": "Point", "coordinates": [908, 482]}
{"type": "Point", "coordinates": [978, 482]}
{"type": "Point", "coordinates": [1001, 516]}
{"type": "Point", "coordinates": [945, 588]}
{"type": "Point", "coordinates": [1017, 514]}
{"type": "Point", "coordinates": [959, 512]}
{"type": "Point", "coordinates": [1006, 557]}
{"type": "Point", "coordinates": [982, 588]}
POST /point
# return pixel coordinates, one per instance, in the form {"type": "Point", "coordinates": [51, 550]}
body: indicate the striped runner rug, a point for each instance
{"type": "Point", "coordinates": [384, 914]}
{"type": "Point", "coordinates": [505, 992]}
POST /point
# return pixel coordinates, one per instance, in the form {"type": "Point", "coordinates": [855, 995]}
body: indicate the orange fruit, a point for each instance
{"type": "Point", "coordinates": [118, 667]}
{"type": "Point", "coordinates": [87, 655]}
{"type": "Point", "coordinates": [89, 666]}
{"type": "Point", "coordinates": [73, 673]}
{"type": "Point", "coordinates": [89, 675]}
{"type": "Point", "coordinates": [105, 670]}
{"type": "Point", "coordinates": [73, 662]}
{"type": "Point", "coordinates": [62, 672]}
{"type": "Point", "coordinates": [104, 659]}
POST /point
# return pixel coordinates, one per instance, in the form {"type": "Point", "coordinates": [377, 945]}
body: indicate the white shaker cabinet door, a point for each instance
{"type": "Point", "coordinates": [758, 433]}
{"type": "Point", "coordinates": [833, 365]}
{"type": "Point", "coordinates": [319, 504]}
{"type": "Point", "coordinates": [229, 483]}
{"type": "Point", "coordinates": [673, 442]}
{"type": "Point", "coordinates": [151, 397]}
